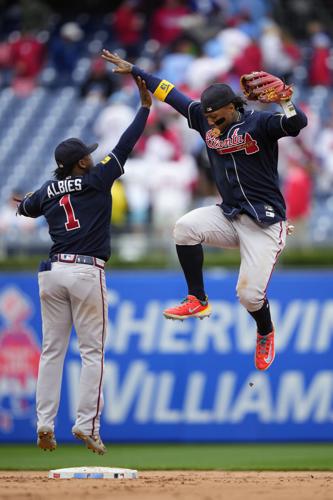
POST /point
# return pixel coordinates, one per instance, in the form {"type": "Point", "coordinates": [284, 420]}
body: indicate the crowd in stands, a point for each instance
{"type": "Point", "coordinates": [191, 43]}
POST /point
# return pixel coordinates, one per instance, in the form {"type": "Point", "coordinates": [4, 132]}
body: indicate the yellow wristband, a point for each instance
{"type": "Point", "coordinates": [163, 90]}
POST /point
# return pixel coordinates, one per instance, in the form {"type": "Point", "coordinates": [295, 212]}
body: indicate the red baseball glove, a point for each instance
{"type": "Point", "coordinates": [264, 87]}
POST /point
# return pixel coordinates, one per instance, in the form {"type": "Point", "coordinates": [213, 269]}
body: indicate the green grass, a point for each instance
{"type": "Point", "coordinates": [311, 257]}
{"type": "Point", "coordinates": [174, 456]}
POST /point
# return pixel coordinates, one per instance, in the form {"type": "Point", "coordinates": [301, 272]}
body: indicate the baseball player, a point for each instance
{"type": "Point", "coordinates": [77, 205]}
{"type": "Point", "coordinates": [242, 147]}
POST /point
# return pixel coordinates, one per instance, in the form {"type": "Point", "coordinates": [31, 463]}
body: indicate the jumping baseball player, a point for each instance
{"type": "Point", "coordinates": [243, 151]}
{"type": "Point", "coordinates": [77, 206]}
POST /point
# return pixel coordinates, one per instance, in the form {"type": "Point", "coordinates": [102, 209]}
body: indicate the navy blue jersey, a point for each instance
{"type": "Point", "coordinates": [78, 209]}
{"type": "Point", "coordinates": [244, 158]}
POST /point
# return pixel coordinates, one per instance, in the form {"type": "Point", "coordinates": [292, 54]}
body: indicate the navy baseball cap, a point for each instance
{"type": "Point", "coordinates": [70, 151]}
{"type": "Point", "coordinates": [216, 96]}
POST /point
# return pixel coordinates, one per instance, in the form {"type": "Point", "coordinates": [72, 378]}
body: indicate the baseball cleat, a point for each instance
{"type": "Point", "coordinates": [265, 352]}
{"type": "Point", "coordinates": [190, 307]}
{"type": "Point", "coordinates": [46, 439]}
{"type": "Point", "coordinates": [93, 443]}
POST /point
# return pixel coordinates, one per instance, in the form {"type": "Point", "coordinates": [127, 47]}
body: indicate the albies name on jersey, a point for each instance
{"type": "Point", "coordinates": [64, 186]}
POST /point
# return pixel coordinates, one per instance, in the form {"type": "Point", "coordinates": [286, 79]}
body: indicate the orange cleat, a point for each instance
{"type": "Point", "coordinates": [265, 352]}
{"type": "Point", "coordinates": [191, 307]}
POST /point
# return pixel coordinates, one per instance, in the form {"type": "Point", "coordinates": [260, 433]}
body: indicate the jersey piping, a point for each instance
{"type": "Point", "coordinates": [189, 113]}
{"type": "Point", "coordinates": [282, 125]}
{"type": "Point", "coordinates": [120, 165]}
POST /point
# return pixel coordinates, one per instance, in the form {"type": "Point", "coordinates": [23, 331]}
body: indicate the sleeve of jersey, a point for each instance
{"type": "Point", "coordinates": [278, 125]}
{"type": "Point", "coordinates": [30, 205]}
{"type": "Point", "coordinates": [112, 166]}
{"type": "Point", "coordinates": [165, 91]}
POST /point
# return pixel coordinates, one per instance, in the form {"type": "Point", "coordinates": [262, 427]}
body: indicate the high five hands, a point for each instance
{"type": "Point", "coordinates": [125, 67]}
{"type": "Point", "coordinates": [145, 95]}
{"type": "Point", "coordinates": [122, 66]}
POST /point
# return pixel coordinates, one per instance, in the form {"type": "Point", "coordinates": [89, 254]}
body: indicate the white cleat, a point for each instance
{"type": "Point", "coordinates": [93, 443]}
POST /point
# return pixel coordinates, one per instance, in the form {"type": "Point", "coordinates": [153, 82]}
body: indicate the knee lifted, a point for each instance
{"type": "Point", "coordinates": [250, 299]}
{"type": "Point", "coordinates": [183, 233]}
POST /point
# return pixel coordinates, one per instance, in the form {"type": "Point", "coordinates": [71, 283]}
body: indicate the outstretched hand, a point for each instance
{"type": "Point", "coordinates": [145, 96]}
{"type": "Point", "coordinates": [122, 66]}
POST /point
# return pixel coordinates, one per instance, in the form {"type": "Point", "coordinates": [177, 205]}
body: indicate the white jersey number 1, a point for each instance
{"type": "Point", "coordinates": [72, 222]}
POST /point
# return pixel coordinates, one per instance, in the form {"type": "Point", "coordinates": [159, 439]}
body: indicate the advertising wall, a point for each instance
{"type": "Point", "coordinates": [182, 381]}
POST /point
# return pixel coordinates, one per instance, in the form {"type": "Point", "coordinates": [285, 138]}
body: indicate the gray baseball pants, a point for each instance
{"type": "Point", "coordinates": [72, 294]}
{"type": "Point", "coordinates": [259, 247]}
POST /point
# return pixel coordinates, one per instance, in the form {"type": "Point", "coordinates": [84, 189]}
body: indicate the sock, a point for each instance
{"type": "Point", "coordinates": [191, 259]}
{"type": "Point", "coordinates": [263, 319]}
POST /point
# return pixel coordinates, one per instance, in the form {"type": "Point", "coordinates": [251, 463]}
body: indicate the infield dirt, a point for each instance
{"type": "Point", "coordinates": [170, 485]}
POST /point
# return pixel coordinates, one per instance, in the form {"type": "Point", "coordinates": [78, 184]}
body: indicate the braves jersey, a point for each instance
{"type": "Point", "coordinates": [78, 209]}
{"type": "Point", "coordinates": [243, 158]}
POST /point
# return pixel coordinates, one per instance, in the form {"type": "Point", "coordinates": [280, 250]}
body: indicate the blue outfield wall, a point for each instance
{"type": "Point", "coordinates": [182, 381]}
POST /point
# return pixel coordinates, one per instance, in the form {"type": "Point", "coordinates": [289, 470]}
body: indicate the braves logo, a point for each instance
{"type": "Point", "coordinates": [237, 142]}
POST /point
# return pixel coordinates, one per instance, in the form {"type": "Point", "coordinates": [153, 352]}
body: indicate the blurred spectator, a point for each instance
{"type": "Point", "coordinates": [324, 152]}
{"type": "Point", "coordinates": [27, 55]}
{"type": "Point", "coordinates": [190, 141]}
{"type": "Point", "coordinates": [292, 51]}
{"type": "Point", "coordinates": [206, 69]}
{"type": "Point", "coordinates": [205, 192]}
{"type": "Point", "coordinates": [35, 14]}
{"type": "Point", "coordinates": [279, 52]}
{"type": "Point", "coordinates": [249, 60]}
{"type": "Point", "coordinates": [297, 168]}
{"type": "Point", "coordinates": [179, 58]}
{"type": "Point", "coordinates": [298, 197]}
{"type": "Point", "coordinates": [319, 69]}
{"type": "Point", "coordinates": [99, 84]}
{"type": "Point", "coordinates": [128, 25]}
{"type": "Point", "coordinates": [110, 124]}
{"type": "Point", "coordinates": [5, 63]}
{"type": "Point", "coordinates": [301, 149]}
{"type": "Point", "coordinates": [65, 51]}
{"type": "Point", "coordinates": [171, 186]}
{"type": "Point", "coordinates": [157, 126]}
{"type": "Point", "coordinates": [11, 226]}
{"type": "Point", "coordinates": [255, 9]}
{"type": "Point", "coordinates": [119, 206]}
{"type": "Point", "coordinates": [136, 185]}
{"type": "Point", "coordinates": [158, 184]}
{"type": "Point", "coordinates": [166, 23]}
{"type": "Point", "coordinates": [229, 43]}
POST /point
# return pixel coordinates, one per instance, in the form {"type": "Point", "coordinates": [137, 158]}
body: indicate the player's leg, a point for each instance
{"type": "Point", "coordinates": [204, 225]}
{"type": "Point", "coordinates": [259, 249]}
{"type": "Point", "coordinates": [90, 316]}
{"type": "Point", "coordinates": [57, 324]}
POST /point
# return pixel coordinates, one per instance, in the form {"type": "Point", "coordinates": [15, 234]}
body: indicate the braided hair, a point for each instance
{"type": "Point", "coordinates": [239, 103]}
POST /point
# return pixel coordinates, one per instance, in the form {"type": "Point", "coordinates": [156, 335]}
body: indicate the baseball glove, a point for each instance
{"type": "Point", "coordinates": [19, 208]}
{"type": "Point", "coordinates": [264, 87]}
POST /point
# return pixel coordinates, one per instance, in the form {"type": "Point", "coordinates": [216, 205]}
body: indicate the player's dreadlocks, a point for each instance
{"type": "Point", "coordinates": [239, 103]}
{"type": "Point", "coordinates": [61, 173]}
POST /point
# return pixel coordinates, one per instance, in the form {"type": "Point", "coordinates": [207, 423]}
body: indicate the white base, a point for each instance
{"type": "Point", "coordinates": [93, 473]}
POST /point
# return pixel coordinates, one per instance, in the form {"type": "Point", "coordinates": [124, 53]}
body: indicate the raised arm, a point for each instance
{"type": "Point", "coordinates": [112, 166]}
{"type": "Point", "coordinates": [162, 89]}
{"type": "Point", "coordinates": [133, 132]}
{"type": "Point", "coordinates": [278, 125]}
